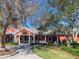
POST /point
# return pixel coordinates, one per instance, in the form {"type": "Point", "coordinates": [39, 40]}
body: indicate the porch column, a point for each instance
{"type": "Point", "coordinates": [33, 38]}
{"type": "Point", "coordinates": [45, 38]}
{"type": "Point", "coordinates": [57, 38]}
{"type": "Point", "coordinates": [15, 39]}
{"type": "Point", "coordinates": [19, 40]}
{"type": "Point", "coordinates": [29, 39]}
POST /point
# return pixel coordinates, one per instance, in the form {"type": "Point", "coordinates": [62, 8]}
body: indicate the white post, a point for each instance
{"type": "Point", "coordinates": [45, 38]}
{"type": "Point", "coordinates": [29, 39]}
{"type": "Point", "coordinates": [33, 38]}
{"type": "Point", "coordinates": [19, 39]}
{"type": "Point", "coordinates": [15, 39]}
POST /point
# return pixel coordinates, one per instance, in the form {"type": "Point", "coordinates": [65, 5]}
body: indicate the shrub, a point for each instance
{"type": "Point", "coordinates": [74, 44]}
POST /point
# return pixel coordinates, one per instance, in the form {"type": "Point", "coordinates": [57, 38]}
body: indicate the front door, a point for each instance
{"type": "Point", "coordinates": [24, 39]}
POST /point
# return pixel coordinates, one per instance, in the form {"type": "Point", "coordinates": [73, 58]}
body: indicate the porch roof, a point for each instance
{"type": "Point", "coordinates": [12, 30]}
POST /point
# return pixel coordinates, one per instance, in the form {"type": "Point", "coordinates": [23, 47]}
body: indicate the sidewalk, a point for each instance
{"type": "Point", "coordinates": [29, 56]}
{"type": "Point", "coordinates": [25, 52]}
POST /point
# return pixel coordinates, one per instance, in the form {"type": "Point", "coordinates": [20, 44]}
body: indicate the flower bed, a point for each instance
{"type": "Point", "coordinates": [6, 52]}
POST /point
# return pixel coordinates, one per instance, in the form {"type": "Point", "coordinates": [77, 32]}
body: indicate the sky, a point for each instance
{"type": "Point", "coordinates": [42, 7]}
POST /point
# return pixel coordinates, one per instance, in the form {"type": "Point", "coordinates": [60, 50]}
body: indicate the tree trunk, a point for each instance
{"type": "Point", "coordinates": [76, 37]}
{"type": "Point", "coordinates": [69, 41]}
{"type": "Point", "coordinates": [3, 35]}
{"type": "Point", "coordinates": [2, 42]}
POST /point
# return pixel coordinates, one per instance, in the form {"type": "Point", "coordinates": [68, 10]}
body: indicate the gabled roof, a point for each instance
{"type": "Point", "coordinates": [23, 29]}
{"type": "Point", "coordinates": [12, 30]}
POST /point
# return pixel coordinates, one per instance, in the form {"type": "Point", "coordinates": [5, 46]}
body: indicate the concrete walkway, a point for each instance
{"type": "Point", "coordinates": [29, 56]}
{"type": "Point", "coordinates": [25, 52]}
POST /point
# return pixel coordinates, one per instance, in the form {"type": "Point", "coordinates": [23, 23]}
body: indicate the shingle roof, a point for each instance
{"type": "Point", "coordinates": [12, 30]}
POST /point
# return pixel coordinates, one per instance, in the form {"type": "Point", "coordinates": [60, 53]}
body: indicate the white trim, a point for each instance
{"type": "Point", "coordinates": [9, 33]}
{"type": "Point", "coordinates": [17, 30]}
{"type": "Point", "coordinates": [22, 29]}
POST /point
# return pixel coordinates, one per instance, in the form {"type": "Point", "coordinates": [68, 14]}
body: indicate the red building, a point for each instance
{"type": "Point", "coordinates": [19, 35]}
{"type": "Point", "coordinates": [24, 35]}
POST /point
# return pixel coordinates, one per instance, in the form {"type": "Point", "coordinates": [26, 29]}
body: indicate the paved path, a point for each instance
{"type": "Point", "coordinates": [25, 52]}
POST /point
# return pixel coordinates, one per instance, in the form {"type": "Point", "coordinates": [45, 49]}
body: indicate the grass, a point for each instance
{"type": "Point", "coordinates": [10, 44]}
{"type": "Point", "coordinates": [73, 51]}
{"type": "Point", "coordinates": [52, 53]}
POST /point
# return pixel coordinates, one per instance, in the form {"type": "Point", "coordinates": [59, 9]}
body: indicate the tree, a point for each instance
{"type": "Point", "coordinates": [68, 9]}
{"type": "Point", "coordinates": [24, 8]}
{"type": "Point", "coordinates": [5, 20]}
{"type": "Point", "coordinates": [12, 12]}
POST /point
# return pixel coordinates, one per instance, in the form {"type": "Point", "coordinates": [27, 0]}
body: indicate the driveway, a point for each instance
{"type": "Point", "coordinates": [25, 52]}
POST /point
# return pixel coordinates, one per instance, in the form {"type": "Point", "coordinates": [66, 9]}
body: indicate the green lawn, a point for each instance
{"type": "Point", "coordinates": [10, 44]}
{"type": "Point", "coordinates": [52, 53]}
{"type": "Point", "coordinates": [73, 51]}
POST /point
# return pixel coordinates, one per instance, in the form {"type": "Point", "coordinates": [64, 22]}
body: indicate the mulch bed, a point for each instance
{"type": "Point", "coordinates": [6, 52]}
{"type": "Point", "coordinates": [77, 57]}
